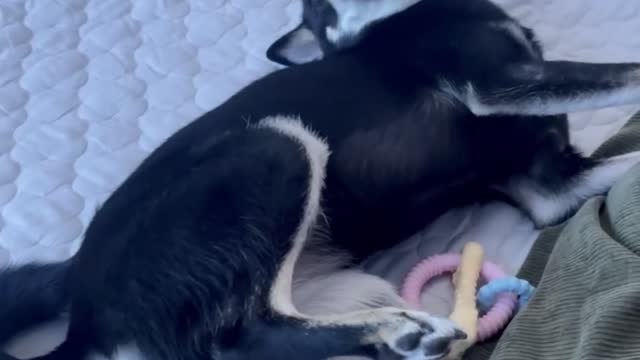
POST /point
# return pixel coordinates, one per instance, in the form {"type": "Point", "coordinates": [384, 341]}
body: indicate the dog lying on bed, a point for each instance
{"type": "Point", "coordinates": [398, 110]}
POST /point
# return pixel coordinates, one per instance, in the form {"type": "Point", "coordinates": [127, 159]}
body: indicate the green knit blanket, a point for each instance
{"type": "Point", "coordinates": [587, 273]}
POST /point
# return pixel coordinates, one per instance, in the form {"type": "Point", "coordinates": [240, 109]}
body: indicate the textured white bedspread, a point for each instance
{"type": "Point", "coordinates": [89, 87]}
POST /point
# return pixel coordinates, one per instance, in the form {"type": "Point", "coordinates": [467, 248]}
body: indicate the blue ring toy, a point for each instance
{"type": "Point", "coordinates": [488, 293]}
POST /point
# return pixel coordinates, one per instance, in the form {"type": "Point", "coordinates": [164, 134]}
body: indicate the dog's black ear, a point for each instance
{"type": "Point", "coordinates": [551, 88]}
{"type": "Point", "coordinates": [298, 46]}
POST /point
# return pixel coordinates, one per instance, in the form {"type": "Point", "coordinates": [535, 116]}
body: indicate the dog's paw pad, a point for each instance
{"type": "Point", "coordinates": [409, 342]}
{"type": "Point", "coordinates": [423, 337]}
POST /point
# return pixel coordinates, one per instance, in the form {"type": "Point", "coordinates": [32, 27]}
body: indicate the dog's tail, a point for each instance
{"type": "Point", "coordinates": [31, 295]}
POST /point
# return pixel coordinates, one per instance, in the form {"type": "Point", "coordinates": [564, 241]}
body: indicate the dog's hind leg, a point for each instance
{"type": "Point", "coordinates": [559, 184]}
{"type": "Point", "coordinates": [404, 334]}
{"type": "Point", "coordinates": [550, 88]}
{"type": "Point", "coordinates": [289, 333]}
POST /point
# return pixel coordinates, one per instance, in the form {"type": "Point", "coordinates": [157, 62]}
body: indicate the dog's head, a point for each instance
{"type": "Point", "coordinates": [330, 25]}
{"type": "Point", "coordinates": [470, 49]}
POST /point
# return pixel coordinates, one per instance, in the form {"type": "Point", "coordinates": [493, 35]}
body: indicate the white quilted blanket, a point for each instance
{"type": "Point", "coordinates": [89, 87]}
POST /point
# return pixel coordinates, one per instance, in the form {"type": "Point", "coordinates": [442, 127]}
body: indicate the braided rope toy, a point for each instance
{"type": "Point", "coordinates": [498, 299]}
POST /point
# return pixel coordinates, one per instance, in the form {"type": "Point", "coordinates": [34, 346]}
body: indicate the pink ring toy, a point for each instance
{"type": "Point", "coordinates": [489, 324]}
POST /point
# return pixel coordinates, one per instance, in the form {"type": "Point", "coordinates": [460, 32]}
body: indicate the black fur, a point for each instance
{"type": "Point", "coordinates": [181, 258]}
{"type": "Point", "coordinates": [36, 294]}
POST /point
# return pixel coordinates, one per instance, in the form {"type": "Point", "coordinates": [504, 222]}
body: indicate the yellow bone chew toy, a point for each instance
{"type": "Point", "coordinates": [465, 310]}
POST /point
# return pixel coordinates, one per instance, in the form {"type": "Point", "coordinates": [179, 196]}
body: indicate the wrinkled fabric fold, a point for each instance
{"type": "Point", "coordinates": [587, 305]}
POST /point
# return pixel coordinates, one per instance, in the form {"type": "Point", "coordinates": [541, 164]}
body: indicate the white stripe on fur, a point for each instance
{"type": "Point", "coordinates": [355, 15]}
{"type": "Point", "coordinates": [317, 152]}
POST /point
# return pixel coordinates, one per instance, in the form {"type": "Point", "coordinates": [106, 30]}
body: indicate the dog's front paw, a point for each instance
{"type": "Point", "coordinates": [419, 337]}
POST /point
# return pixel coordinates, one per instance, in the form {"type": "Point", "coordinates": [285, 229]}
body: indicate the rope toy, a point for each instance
{"type": "Point", "coordinates": [496, 318]}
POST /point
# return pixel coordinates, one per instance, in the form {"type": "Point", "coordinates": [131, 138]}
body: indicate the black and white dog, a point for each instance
{"type": "Point", "coordinates": [399, 110]}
